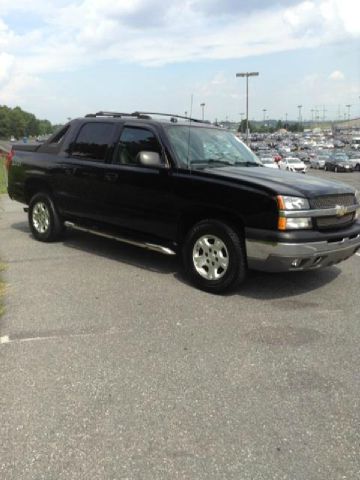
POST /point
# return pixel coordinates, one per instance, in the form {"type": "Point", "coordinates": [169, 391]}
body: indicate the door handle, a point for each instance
{"type": "Point", "coordinates": [70, 170]}
{"type": "Point", "coordinates": [111, 177]}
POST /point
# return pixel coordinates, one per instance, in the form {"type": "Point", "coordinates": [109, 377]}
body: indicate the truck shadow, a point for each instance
{"type": "Point", "coordinates": [111, 249]}
{"type": "Point", "coordinates": [267, 286]}
{"type": "Point", "coordinates": [258, 285]}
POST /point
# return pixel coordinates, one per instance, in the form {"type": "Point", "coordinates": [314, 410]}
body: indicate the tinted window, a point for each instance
{"type": "Point", "coordinates": [92, 141]}
{"type": "Point", "coordinates": [132, 141]}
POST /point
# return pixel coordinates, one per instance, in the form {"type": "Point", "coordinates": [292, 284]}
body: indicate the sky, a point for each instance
{"type": "Point", "coordinates": [62, 59]}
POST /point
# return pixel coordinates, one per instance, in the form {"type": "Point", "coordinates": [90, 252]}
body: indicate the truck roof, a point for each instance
{"type": "Point", "coordinates": [149, 117]}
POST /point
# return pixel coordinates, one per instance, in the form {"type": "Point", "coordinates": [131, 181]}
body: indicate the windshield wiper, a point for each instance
{"type": "Point", "coordinates": [249, 164]}
{"type": "Point", "coordinates": [212, 161]}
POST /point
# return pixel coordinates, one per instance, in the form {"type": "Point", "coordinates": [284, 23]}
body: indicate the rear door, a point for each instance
{"type": "Point", "coordinates": [83, 170]}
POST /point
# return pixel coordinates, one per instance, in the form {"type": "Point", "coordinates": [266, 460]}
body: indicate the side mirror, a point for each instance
{"type": "Point", "coordinates": [150, 159]}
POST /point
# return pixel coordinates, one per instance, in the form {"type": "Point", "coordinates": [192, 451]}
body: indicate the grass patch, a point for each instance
{"type": "Point", "coordinates": [2, 290]}
{"type": "Point", "coordinates": [3, 176]}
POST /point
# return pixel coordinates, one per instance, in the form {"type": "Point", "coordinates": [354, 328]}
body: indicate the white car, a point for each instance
{"type": "Point", "coordinates": [354, 158]}
{"type": "Point", "coordinates": [268, 162]}
{"type": "Point", "coordinates": [292, 164]}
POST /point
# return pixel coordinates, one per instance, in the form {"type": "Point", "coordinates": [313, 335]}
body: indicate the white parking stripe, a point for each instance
{"type": "Point", "coordinates": [7, 339]}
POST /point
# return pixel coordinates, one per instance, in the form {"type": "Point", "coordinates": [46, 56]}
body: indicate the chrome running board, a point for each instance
{"type": "Point", "coordinates": [148, 246]}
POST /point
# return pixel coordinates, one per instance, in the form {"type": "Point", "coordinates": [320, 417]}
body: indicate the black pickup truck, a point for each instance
{"type": "Point", "coordinates": [180, 186]}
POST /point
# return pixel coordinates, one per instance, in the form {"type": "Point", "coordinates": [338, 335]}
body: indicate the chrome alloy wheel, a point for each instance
{"type": "Point", "coordinates": [41, 217]}
{"type": "Point", "coordinates": [210, 257]}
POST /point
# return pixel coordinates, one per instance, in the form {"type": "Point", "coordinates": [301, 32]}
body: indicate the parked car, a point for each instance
{"type": "Point", "coordinates": [292, 164]}
{"type": "Point", "coordinates": [186, 188]}
{"type": "Point", "coordinates": [339, 162]}
{"type": "Point", "coordinates": [354, 158]}
{"type": "Point", "coordinates": [268, 162]}
{"type": "Point", "coordinates": [318, 162]}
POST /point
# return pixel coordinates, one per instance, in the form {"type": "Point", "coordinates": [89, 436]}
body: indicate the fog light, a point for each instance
{"type": "Point", "coordinates": [296, 262]}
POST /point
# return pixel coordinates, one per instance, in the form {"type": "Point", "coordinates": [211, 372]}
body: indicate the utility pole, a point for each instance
{"type": "Point", "coordinates": [202, 105]}
{"type": "Point", "coordinates": [247, 75]}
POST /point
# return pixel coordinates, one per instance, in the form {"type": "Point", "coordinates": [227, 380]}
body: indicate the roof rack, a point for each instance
{"type": "Point", "coordinates": [171, 115]}
{"type": "Point", "coordinates": [116, 115]}
{"type": "Point", "coordinates": [142, 115]}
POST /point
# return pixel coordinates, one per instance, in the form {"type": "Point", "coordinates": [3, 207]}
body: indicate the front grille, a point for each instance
{"type": "Point", "coordinates": [324, 223]}
{"type": "Point", "coordinates": [330, 201]}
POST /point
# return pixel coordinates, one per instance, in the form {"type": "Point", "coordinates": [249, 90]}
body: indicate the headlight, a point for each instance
{"type": "Point", "coordinates": [298, 223]}
{"type": "Point", "coordinates": [292, 203]}
{"type": "Point", "coordinates": [357, 196]}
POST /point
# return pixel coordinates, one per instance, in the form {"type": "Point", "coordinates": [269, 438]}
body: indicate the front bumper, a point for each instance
{"type": "Point", "coordinates": [277, 256]}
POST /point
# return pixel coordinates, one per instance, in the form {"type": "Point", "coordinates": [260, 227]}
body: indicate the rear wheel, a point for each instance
{"type": "Point", "coordinates": [44, 220]}
{"type": "Point", "coordinates": [214, 256]}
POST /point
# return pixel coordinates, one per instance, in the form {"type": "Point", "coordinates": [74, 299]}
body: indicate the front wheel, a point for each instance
{"type": "Point", "coordinates": [214, 256]}
{"type": "Point", "coordinates": [44, 220]}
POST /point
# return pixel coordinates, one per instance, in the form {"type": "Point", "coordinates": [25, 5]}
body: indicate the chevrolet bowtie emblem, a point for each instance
{"type": "Point", "coordinates": [340, 210]}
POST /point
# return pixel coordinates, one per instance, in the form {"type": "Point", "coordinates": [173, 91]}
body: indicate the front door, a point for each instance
{"type": "Point", "coordinates": [139, 197]}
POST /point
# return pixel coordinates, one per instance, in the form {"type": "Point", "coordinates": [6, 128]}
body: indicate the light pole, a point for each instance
{"type": "Point", "coordinates": [241, 119]}
{"type": "Point", "coordinates": [299, 107]}
{"type": "Point", "coordinates": [348, 107]}
{"type": "Point", "coordinates": [247, 75]}
{"type": "Point", "coordinates": [264, 112]}
{"type": "Point", "coordinates": [202, 105]}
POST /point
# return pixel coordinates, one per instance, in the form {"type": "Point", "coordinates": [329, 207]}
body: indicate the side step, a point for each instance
{"type": "Point", "coordinates": [148, 246]}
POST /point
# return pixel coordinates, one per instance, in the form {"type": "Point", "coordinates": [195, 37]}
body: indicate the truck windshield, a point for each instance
{"type": "Point", "coordinates": [201, 147]}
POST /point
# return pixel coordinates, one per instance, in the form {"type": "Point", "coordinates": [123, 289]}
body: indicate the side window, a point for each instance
{"type": "Point", "coordinates": [132, 141]}
{"type": "Point", "coordinates": [92, 141]}
{"type": "Point", "coordinates": [58, 136]}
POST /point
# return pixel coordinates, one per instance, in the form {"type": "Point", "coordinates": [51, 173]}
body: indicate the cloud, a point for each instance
{"type": "Point", "coordinates": [78, 33]}
{"type": "Point", "coordinates": [153, 32]}
{"type": "Point", "coordinates": [6, 65]}
{"type": "Point", "coordinates": [336, 75]}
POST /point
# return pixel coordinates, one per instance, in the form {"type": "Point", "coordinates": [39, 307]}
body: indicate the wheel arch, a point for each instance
{"type": "Point", "coordinates": [189, 219]}
{"type": "Point", "coordinates": [35, 185]}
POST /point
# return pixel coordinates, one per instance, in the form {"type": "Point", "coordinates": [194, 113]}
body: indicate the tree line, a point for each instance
{"type": "Point", "coordinates": [15, 122]}
{"type": "Point", "coordinates": [258, 127]}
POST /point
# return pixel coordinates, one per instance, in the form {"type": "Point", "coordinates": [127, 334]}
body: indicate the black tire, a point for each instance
{"type": "Point", "coordinates": [357, 167]}
{"type": "Point", "coordinates": [236, 269]}
{"type": "Point", "coordinates": [44, 221]}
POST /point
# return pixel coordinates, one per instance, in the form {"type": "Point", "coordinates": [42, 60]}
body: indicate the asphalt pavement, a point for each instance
{"type": "Point", "coordinates": [113, 367]}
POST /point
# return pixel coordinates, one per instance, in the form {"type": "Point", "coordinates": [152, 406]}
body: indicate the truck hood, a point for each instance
{"type": "Point", "coordinates": [281, 182]}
